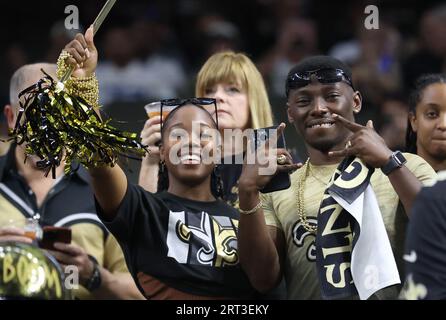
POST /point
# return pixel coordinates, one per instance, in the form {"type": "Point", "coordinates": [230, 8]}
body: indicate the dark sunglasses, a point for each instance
{"type": "Point", "coordinates": [323, 75]}
{"type": "Point", "coordinates": [199, 102]}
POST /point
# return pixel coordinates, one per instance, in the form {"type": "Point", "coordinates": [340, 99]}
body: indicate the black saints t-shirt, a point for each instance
{"type": "Point", "coordinates": [425, 254]}
{"type": "Point", "coordinates": [188, 245]}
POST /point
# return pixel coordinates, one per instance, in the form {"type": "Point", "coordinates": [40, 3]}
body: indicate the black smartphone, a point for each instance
{"type": "Point", "coordinates": [281, 180]}
{"type": "Point", "coordinates": [54, 234]}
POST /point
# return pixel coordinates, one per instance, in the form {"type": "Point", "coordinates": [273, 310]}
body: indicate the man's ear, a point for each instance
{"type": "Point", "coordinates": [413, 121]}
{"type": "Point", "coordinates": [288, 111]}
{"type": "Point", "coordinates": [357, 102]}
{"type": "Point", "coordinates": [10, 115]}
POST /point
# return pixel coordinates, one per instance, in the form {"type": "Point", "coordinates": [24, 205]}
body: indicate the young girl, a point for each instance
{"type": "Point", "coordinates": [180, 243]}
{"type": "Point", "coordinates": [426, 131]}
{"type": "Point", "coordinates": [238, 87]}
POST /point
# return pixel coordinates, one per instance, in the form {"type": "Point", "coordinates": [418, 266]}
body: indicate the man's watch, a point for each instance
{"type": "Point", "coordinates": [396, 160]}
{"type": "Point", "coordinates": [95, 280]}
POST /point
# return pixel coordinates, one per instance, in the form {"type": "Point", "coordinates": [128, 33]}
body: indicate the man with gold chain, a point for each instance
{"type": "Point", "coordinates": [277, 231]}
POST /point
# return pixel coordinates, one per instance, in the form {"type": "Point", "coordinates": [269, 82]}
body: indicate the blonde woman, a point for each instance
{"type": "Point", "coordinates": [234, 81]}
{"type": "Point", "coordinates": [237, 75]}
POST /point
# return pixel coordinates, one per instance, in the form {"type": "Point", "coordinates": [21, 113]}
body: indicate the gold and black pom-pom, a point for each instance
{"type": "Point", "coordinates": [56, 126]}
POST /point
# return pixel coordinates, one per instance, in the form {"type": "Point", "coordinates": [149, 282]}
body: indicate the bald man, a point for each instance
{"type": "Point", "coordinates": [66, 201]}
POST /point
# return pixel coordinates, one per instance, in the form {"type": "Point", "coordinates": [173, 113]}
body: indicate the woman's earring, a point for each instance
{"type": "Point", "coordinates": [162, 166]}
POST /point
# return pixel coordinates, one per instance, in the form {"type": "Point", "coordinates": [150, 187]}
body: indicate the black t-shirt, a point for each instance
{"type": "Point", "coordinates": [425, 253]}
{"type": "Point", "coordinates": [188, 245]}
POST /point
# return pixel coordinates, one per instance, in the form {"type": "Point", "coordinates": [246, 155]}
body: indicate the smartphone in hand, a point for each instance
{"type": "Point", "coordinates": [54, 234]}
{"type": "Point", "coordinates": [281, 180]}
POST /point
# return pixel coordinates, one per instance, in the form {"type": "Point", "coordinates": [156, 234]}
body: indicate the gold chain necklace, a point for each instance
{"type": "Point", "coordinates": [301, 201]}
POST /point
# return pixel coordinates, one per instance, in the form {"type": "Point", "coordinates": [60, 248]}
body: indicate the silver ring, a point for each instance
{"type": "Point", "coordinates": [348, 144]}
{"type": "Point", "coordinates": [281, 159]}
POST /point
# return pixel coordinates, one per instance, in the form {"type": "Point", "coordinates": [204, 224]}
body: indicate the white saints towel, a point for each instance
{"type": "Point", "coordinates": [373, 265]}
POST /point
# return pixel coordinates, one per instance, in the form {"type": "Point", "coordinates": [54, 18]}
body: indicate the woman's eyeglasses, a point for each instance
{"type": "Point", "coordinates": [323, 75]}
{"type": "Point", "coordinates": [199, 102]}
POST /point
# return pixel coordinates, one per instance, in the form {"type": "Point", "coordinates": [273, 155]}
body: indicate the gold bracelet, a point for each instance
{"type": "Point", "coordinates": [257, 207]}
{"type": "Point", "coordinates": [86, 88]}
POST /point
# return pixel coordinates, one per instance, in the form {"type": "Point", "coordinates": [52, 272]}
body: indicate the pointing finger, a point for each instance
{"type": "Point", "coordinates": [280, 129]}
{"type": "Point", "coordinates": [275, 134]}
{"type": "Point", "coordinates": [352, 126]}
{"type": "Point", "coordinates": [89, 35]}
